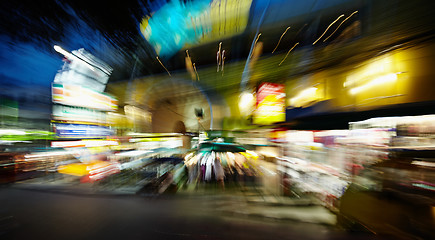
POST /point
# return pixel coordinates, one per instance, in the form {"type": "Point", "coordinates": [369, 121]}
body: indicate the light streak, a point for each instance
{"type": "Point", "coordinates": [255, 44]}
{"type": "Point", "coordinates": [288, 53]}
{"type": "Point", "coordinates": [223, 62]}
{"type": "Point", "coordinates": [388, 78]}
{"type": "Point", "coordinates": [163, 66]}
{"type": "Point", "coordinates": [309, 92]}
{"type": "Point", "coordinates": [300, 30]}
{"type": "Point", "coordinates": [218, 57]}
{"type": "Point", "coordinates": [194, 68]}
{"type": "Point", "coordinates": [340, 25]}
{"type": "Point", "coordinates": [72, 56]}
{"type": "Point", "coordinates": [342, 15]}
{"type": "Point", "coordinates": [281, 38]}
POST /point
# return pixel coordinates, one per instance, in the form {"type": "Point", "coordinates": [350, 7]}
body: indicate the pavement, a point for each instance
{"type": "Point", "coordinates": [44, 215]}
{"type": "Point", "coordinates": [252, 203]}
{"type": "Point", "coordinates": [69, 187]}
{"type": "Point", "coordinates": [236, 202]}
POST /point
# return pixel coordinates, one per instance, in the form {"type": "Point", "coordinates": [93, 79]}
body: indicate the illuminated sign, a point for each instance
{"type": "Point", "coordinates": [380, 71]}
{"type": "Point", "coordinates": [74, 95]}
{"type": "Point", "coordinates": [270, 104]}
{"type": "Point", "coordinates": [225, 18]}
{"type": "Point", "coordinates": [178, 24]}
{"type": "Point", "coordinates": [304, 97]}
{"type": "Point", "coordinates": [84, 143]}
{"type": "Point", "coordinates": [299, 136]}
{"type": "Point", "coordinates": [64, 130]}
{"type": "Point", "coordinates": [84, 69]}
{"type": "Point", "coordinates": [78, 114]}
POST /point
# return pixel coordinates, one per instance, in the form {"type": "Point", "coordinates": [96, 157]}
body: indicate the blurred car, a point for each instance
{"type": "Point", "coordinates": [393, 197]}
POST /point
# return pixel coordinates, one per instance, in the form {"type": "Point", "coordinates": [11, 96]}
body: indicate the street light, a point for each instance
{"type": "Point", "coordinates": [246, 103]}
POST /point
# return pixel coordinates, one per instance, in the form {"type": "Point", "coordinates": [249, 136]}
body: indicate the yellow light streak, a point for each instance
{"type": "Point", "coordinates": [309, 92]}
{"type": "Point", "coordinates": [288, 53]}
{"type": "Point", "coordinates": [339, 26]}
{"type": "Point", "coordinates": [281, 38]}
{"type": "Point", "coordinates": [163, 66]}
{"type": "Point", "coordinates": [255, 44]}
{"type": "Point", "coordinates": [218, 57]}
{"type": "Point", "coordinates": [388, 78]}
{"type": "Point", "coordinates": [342, 15]}
{"type": "Point", "coordinates": [194, 68]}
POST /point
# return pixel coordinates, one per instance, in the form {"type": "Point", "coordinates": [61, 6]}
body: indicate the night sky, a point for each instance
{"type": "Point", "coordinates": [110, 31]}
{"type": "Point", "coordinates": [30, 29]}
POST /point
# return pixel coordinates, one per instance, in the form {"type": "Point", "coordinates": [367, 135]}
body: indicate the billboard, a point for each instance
{"type": "Point", "coordinates": [74, 95]}
{"type": "Point", "coordinates": [179, 24]}
{"type": "Point", "coordinates": [84, 69]}
{"type": "Point", "coordinates": [66, 130]}
{"type": "Point", "coordinates": [78, 114]}
{"type": "Point", "coordinates": [270, 106]}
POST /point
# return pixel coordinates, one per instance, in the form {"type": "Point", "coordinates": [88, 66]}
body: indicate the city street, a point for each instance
{"type": "Point", "coordinates": [217, 119]}
{"type": "Point", "coordinates": [48, 215]}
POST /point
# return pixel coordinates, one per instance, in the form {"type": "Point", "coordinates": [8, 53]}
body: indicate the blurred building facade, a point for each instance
{"type": "Point", "coordinates": [337, 56]}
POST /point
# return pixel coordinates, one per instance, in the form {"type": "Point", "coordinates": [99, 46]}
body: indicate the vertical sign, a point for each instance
{"type": "Point", "coordinates": [270, 104]}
